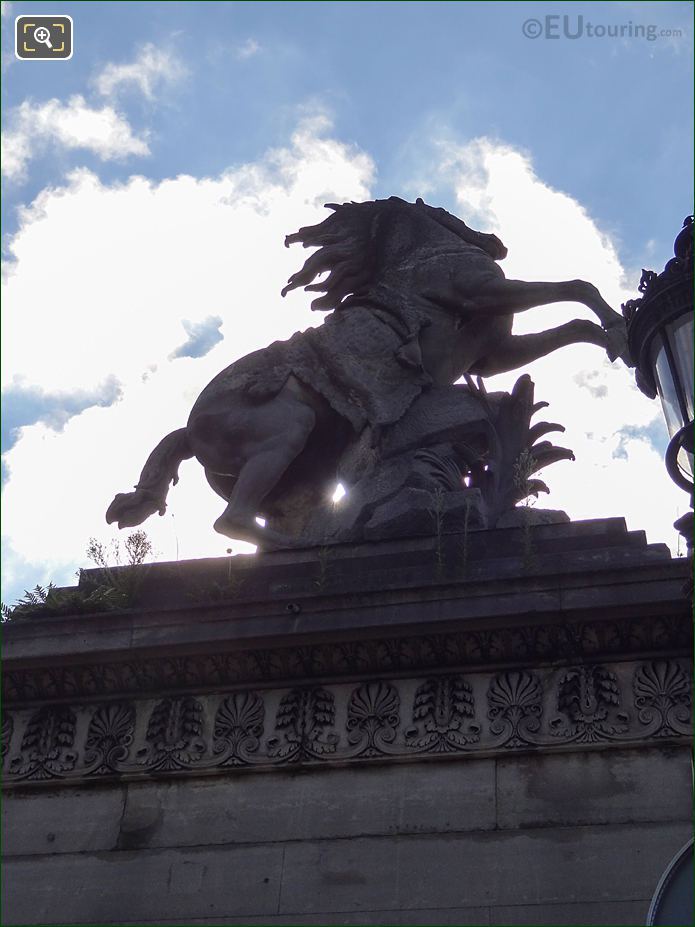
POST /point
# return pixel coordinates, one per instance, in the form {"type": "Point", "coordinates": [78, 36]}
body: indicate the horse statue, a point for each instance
{"type": "Point", "coordinates": [416, 300]}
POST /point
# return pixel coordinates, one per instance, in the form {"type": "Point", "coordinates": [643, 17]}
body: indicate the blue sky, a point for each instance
{"type": "Point", "coordinates": [606, 120]}
{"type": "Point", "coordinates": [445, 100]}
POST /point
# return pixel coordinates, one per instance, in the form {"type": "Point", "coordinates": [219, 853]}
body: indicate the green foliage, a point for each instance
{"type": "Point", "coordinates": [50, 600]}
{"type": "Point", "coordinates": [214, 592]}
{"type": "Point", "coordinates": [138, 548]}
{"type": "Point", "coordinates": [522, 470]}
{"type": "Point", "coordinates": [324, 557]}
{"type": "Point", "coordinates": [524, 467]}
{"type": "Point", "coordinates": [466, 532]}
{"type": "Point", "coordinates": [437, 515]}
{"type": "Point", "coordinates": [113, 586]}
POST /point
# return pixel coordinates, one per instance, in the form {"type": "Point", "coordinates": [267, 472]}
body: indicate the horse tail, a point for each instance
{"type": "Point", "coordinates": [161, 468]}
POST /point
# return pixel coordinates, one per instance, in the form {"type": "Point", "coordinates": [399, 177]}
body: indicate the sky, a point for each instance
{"type": "Point", "coordinates": [149, 181]}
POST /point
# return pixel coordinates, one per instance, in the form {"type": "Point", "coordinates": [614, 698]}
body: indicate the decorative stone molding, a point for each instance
{"type": "Point", "coordinates": [521, 645]}
{"type": "Point", "coordinates": [443, 710]}
{"type": "Point", "coordinates": [663, 694]}
{"type": "Point", "coordinates": [444, 715]}
{"type": "Point", "coordinates": [515, 700]}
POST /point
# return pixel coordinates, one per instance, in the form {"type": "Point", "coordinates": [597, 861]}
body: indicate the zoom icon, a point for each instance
{"type": "Point", "coordinates": [43, 38]}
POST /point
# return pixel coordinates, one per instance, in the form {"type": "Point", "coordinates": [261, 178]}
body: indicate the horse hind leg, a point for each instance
{"type": "Point", "coordinates": [281, 429]}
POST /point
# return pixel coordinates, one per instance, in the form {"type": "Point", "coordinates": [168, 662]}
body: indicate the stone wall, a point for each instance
{"type": "Point", "coordinates": [573, 838]}
{"type": "Point", "coordinates": [437, 731]}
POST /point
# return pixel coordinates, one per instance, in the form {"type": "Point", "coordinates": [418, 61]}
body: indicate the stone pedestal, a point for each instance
{"type": "Point", "coordinates": [490, 728]}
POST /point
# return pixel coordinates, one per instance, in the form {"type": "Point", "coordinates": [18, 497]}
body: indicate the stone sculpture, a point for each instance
{"type": "Point", "coordinates": [416, 301]}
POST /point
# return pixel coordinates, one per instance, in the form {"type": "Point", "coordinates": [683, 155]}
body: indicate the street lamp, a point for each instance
{"type": "Point", "coordinates": [660, 338]}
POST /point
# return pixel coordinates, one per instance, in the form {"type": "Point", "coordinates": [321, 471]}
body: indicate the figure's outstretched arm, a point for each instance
{"type": "Point", "coordinates": [518, 350]}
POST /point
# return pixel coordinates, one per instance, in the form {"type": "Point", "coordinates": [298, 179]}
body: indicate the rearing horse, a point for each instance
{"type": "Point", "coordinates": [416, 299]}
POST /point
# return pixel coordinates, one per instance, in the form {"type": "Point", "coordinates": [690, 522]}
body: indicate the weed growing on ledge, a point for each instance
{"type": "Point", "coordinates": [115, 585]}
{"type": "Point", "coordinates": [124, 578]}
{"type": "Point", "coordinates": [523, 469]}
{"type": "Point", "coordinates": [210, 593]}
{"type": "Point", "coordinates": [324, 556]}
{"type": "Point", "coordinates": [437, 515]}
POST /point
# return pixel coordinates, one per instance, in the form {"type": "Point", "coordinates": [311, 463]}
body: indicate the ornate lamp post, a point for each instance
{"type": "Point", "coordinates": [660, 336]}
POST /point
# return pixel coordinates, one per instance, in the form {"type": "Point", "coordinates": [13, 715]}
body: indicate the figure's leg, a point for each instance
{"type": "Point", "coordinates": [517, 350]}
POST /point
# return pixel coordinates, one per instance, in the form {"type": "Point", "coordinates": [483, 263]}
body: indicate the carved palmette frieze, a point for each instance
{"type": "Point", "coordinates": [173, 734]}
{"type": "Point", "coordinates": [47, 745]}
{"type": "Point", "coordinates": [238, 728]}
{"type": "Point", "coordinates": [372, 718]}
{"type": "Point", "coordinates": [444, 715]}
{"type": "Point", "coordinates": [588, 698]}
{"type": "Point", "coordinates": [515, 700]}
{"type": "Point", "coordinates": [109, 737]}
{"type": "Point", "coordinates": [662, 692]}
{"type": "Point", "coordinates": [304, 718]}
{"type": "Point", "coordinates": [443, 712]}
{"type": "Point", "coordinates": [7, 729]}
{"type": "Point", "coordinates": [526, 645]}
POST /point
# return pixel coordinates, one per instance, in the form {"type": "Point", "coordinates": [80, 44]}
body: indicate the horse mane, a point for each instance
{"type": "Point", "coordinates": [350, 243]}
{"type": "Point", "coordinates": [344, 241]}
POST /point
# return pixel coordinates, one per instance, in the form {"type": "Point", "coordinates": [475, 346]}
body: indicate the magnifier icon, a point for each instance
{"type": "Point", "coordinates": [42, 34]}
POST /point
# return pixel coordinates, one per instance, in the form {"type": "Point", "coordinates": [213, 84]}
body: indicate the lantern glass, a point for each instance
{"type": "Point", "coordinates": [680, 335]}
{"type": "Point", "coordinates": [666, 387]}
{"type": "Point", "coordinates": [672, 354]}
{"type": "Point", "coordinates": [672, 357]}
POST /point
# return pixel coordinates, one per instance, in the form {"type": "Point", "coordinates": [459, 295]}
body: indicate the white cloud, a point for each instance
{"type": "Point", "coordinates": [15, 152]}
{"type": "Point", "coordinates": [71, 125]}
{"type": "Point", "coordinates": [7, 55]}
{"type": "Point", "coordinates": [247, 49]}
{"type": "Point", "coordinates": [153, 67]}
{"type": "Point", "coordinates": [107, 274]}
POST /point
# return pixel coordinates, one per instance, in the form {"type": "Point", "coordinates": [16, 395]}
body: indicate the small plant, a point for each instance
{"type": "Point", "coordinates": [217, 591]}
{"type": "Point", "coordinates": [437, 513]}
{"type": "Point", "coordinates": [124, 578]}
{"type": "Point", "coordinates": [466, 521]}
{"type": "Point", "coordinates": [524, 467]}
{"type": "Point", "coordinates": [324, 556]}
{"type": "Point", "coordinates": [138, 548]}
{"type": "Point", "coordinates": [109, 589]}
{"type": "Point", "coordinates": [52, 601]}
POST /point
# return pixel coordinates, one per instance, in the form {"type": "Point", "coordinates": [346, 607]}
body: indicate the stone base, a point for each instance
{"type": "Point", "coordinates": [454, 730]}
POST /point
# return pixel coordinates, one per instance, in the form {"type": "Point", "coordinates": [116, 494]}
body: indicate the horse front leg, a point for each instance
{"type": "Point", "coordinates": [517, 350]}
{"type": "Point", "coordinates": [511, 296]}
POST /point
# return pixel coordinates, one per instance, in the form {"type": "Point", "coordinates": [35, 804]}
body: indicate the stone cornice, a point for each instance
{"type": "Point", "coordinates": [393, 652]}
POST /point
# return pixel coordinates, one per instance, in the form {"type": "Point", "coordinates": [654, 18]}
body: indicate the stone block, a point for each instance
{"type": "Point", "coordinates": [142, 887]}
{"type": "Point", "coordinates": [617, 786]}
{"type": "Point", "coordinates": [321, 804]}
{"type": "Point", "coordinates": [545, 866]}
{"type": "Point", "coordinates": [616, 913]}
{"type": "Point", "coordinates": [459, 917]}
{"type": "Point", "coordinates": [61, 820]}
